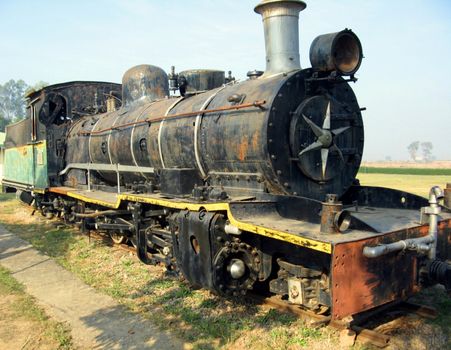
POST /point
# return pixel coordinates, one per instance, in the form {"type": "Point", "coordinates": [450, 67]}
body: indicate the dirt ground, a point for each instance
{"type": "Point", "coordinates": [24, 325]}
{"type": "Point", "coordinates": [18, 332]}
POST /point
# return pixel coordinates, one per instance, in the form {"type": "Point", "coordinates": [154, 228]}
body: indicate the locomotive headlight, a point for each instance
{"type": "Point", "coordinates": [340, 52]}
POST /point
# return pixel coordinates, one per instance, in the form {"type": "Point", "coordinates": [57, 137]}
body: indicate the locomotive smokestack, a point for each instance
{"type": "Point", "coordinates": [281, 26]}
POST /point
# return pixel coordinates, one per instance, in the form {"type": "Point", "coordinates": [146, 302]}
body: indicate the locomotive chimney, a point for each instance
{"type": "Point", "coordinates": [281, 26]}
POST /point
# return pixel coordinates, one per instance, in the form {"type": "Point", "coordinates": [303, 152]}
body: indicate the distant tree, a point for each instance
{"type": "Point", "coordinates": [12, 102]}
{"type": "Point", "coordinates": [413, 149]}
{"type": "Point", "coordinates": [36, 87]}
{"type": "Point", "coordinates": [3, 123]}
{"type": "Point", "coordinates": [427, 151]}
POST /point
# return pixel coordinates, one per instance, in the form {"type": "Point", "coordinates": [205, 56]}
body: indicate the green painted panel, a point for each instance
{"type": "Point", "coordinates": [18, 165]}
{"type": "Point", "coordinates": [40, 176]}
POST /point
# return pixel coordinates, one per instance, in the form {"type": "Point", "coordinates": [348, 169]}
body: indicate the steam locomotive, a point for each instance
{"type": "Point", "coordinates": [238, 185]}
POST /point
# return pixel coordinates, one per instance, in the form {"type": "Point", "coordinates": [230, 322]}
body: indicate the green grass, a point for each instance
{"type": "Point", "coordinates": [8, 285]}
{"type": "Point", "coordinates": [24, 307]}
{"type": "Point", "coordinates": [404, 171]}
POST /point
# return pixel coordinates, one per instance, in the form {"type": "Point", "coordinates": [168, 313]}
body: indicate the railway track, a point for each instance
{"type": "Point", "coordinates": [356, 332]}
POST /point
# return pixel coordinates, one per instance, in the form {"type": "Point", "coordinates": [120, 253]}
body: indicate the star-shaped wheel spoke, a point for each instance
{"type": "Point", "coordinates": [324, 139]}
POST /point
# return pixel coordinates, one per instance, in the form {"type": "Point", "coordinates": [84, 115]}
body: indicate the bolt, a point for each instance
{"type": "Point", "coordinates": [294, 292]}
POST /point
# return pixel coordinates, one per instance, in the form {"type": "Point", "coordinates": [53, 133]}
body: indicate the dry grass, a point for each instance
{"type": "Point", "coordinates": [23, 324]}
{"type": "Point", "coordinates": [436, 164]}
{"type": "Point", "coordinates": [199, 317]}
{"type": "Point", "coordinates": [417, 184]}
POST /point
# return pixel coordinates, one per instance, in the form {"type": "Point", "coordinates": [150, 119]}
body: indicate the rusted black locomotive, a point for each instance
{"type": "Point", "coordinates": [244, 185]}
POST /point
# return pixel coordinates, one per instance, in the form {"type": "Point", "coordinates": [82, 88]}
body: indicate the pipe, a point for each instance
{"type": "Point", "coordinates": [101, 213]}
{"type": "Point", "coordinates": [410, 244]}
{"type": "Point", "coordinates": [281, 27]}
{"type": "Point", "coordinates": [435, 194]}
{"type": "Point", "coordinates": [422, 244]}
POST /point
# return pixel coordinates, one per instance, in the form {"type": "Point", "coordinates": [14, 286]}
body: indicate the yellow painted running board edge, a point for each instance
{"type": "Point", "coordinates": [223, 206]}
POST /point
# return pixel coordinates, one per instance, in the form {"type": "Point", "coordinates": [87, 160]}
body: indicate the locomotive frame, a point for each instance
{"type": "Point", "coordinates": [239, 186]}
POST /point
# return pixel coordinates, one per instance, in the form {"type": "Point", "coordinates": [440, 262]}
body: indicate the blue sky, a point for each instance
{"type": "Point", "coordinates": [404, 80]}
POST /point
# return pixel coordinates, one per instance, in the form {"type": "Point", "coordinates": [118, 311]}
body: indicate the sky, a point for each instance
{"type": "Point", "coordinates": [404, 80]}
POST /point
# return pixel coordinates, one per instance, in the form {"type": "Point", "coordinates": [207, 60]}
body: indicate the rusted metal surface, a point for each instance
{"type": "Point", "coordinates": [420, 310]}
{"type": "Point", "coordinates": [447, 199]}
{"type": "Point", "coordinates": [229, 135]}
{"type": "Point", "coordinates": [330, 215]}
{"type": "Point", "coordinates": [341, 52]}
{"type": "Point", "coordinates": [259, 103]}
{"type": "Point", "coordinates": [359, 283]}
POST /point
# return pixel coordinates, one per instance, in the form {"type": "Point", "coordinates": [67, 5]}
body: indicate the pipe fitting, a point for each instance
{"type": "Point", "coordinates": [435, 194]}
{"type": "Point", "coordinates": [422, 245]}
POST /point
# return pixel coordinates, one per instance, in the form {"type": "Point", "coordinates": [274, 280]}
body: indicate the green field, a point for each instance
{"type": "Point", "coordinates": [406, 171]}
{"type": "Point", "coordinates": [417, 184]}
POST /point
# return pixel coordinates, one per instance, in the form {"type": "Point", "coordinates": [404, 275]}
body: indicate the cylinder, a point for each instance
{"type": "Point", "coordinates": [281, 28]}
{"type": "Point", "coordinates": [341, 52]}
{"type": "Point", "coordinates": [333, 218]}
